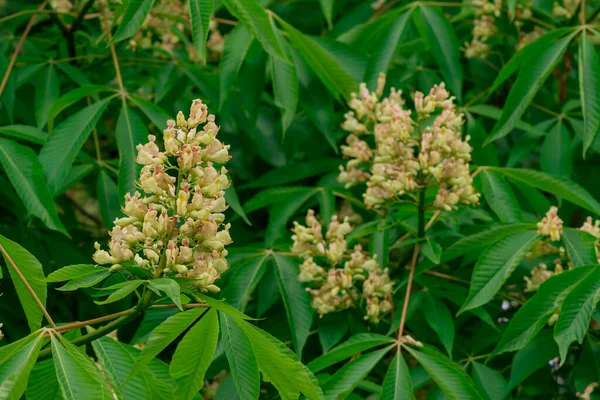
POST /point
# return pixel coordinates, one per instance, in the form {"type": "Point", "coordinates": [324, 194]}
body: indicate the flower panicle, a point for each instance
{"type": "Point", "coordinates": [176, 227]}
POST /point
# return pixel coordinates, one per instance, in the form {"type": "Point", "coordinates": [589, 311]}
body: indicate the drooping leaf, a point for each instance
{"type": "Point", "coordinates": [130, 131]}
{"type": "Point", "coordinates": [121, 290]}
{"type": "Point", "coordinates": [560, 187]}
{"type": "Point", "coordinates": [200, 13]}
{"type": "Point", "coordinates": [232, 199]}
{"type": "Point", "coordinates": [163, 335]}
{"type": "Point", "coordinates": [343, 382]}
{"type": "Point", "coordinates": [490, 382]}
{"type": "Point", "coordinates": [536, 312]}
{"type": "Point", "coordinates": [440, 320]}
{"type": "Point", "coordinates": [556, 158]}
{"type": "Point", "coordinates": [327, 8]}
{"type": "Point", "coordinates": [194, 355]}
{"type": "Point", "coordinates": [134, 17]}
{"type": "Point", "coordinates": [235, 49]}
{"type": "Point", "coordinates": [27, 177]}
{"type": "Point", "coordinates": [500, 197]}
{"type": "Point", "coordinates": [108, 199]}
{"type": "Point", "coordinates": [16, 362]}
{"type": "Point", "coordinates": [25, 132]}
{"type": "Point", "coordinates": [244, 280]}
{"type": "Point", "coordinates": [156, 114]}
{"type": "Point", "coordinates": [296, 300]}
{"type": "Point", "coordinates": [281, 213]}
{"type": "Point", "coordinates": [576, 311]}
{"type": "Point", "coordinates": [254, 16]}
{"type": "Point", "coordinates": [46, 93]}
{"type": "Point", "coordinates": [332, 328]}
{"type": "Point", "coordinates": [450, 377]}
{"type": "Point", "coordinates": [589, 89]}
{"type": "Point", "coordinates": [294, 172]}
{"type": "Point", "coordinates": [73, 271]}
{"type": "Point", "coordinates": [31, 270]}
{"type": "Point", "coordinates": [86, 281]}
{"type": "Point", "coordinates": [531, 358]}
{"type": "Point", "coordinates": [169, 287]}
{"type": "Point", "coordinates": [580, 247]}
{"type": "Point", "coordinates": [397, 384]}
{"type": "Point", "coordinates": [356, 344]}
{"type": "Point", "coordinates": [285, 90]}
{"type": "Point", "coordinates": [43, 383]}
{"type": "Point", "coordinates": [495, 265]}
{"type": "Point", "coordinates": [71, 97]}
{"type": "Point", "coordinates": [529, 81]}
{"type": "Point", "coordinates": [62, 147]}
{"type": "Point", "coordinates": [241, 358]}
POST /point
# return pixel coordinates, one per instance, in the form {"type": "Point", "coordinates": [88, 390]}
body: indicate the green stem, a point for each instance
{"type": "Point", "coordinates": [421, 211]}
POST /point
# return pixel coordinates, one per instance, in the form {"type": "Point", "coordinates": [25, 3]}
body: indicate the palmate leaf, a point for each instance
{"type": "Point", "coordinates": [295, 299]}
{"type": "Point", "coordinates": [121, 290]}
{"type": "Point", "coordinates": [495, 265]}
{"type": "Point", "coordinates": [43, 383]}
{"type": "Point", "coordinates": [397, 384]}
{"type": "Point", "coordinates": [440, 320]}
{"type": "Point", "coordinates": [294, 172]}
{"type": "Point", "coordinates": [345, 380]}
{"type": "Point", "coordinates": [130, 131]}
{"type": "Point", "coordinates": [155, 114]}
{"type": "Point", "coordinates": [254, 16]}
{"type": "Point", "coordinates": [280, 214]}
{"type": "Point", "coordinates": [194, 355]}
{"type": "Point", "coordinates": [232, 199]}
{"type": "Point", "coordinates": [200, 12]}
{"type": "Point", "coordinates": [356, 344]}
{"type": "Point", "coordinates": [581, 246]}
{"type": "Point", "coordinates": [500, 197]}
{"type": "Point", "coordinates": [16, 362]}
{"type": "Point", "coordinates": [25, 132]}
{"type": "Point", "coordinates": [529, 81]}
{"type": "Point", "coordinates": [536, 312]}
{"type": "Point", "coordinates": [27, 177]}
{"type": "Point", "coordinates": [245, 277]}
{"type": "Point", "coordinates": [163, 335]}
{"type": "Point", "coordinates": [576, 311]}
{"type": "Point", "coordinates": [560, 187]}
{"type": "Point", "coordinates": [449, 376]}
{"type": "Point", "coordinates": [77, 375]}
{"type": "Point", "coordinates": [73, 271]}
{"type": "Point", "coordinates": [32, 271]}
{"type": "Point", "coordinates": [169, 287]}
{"type": "Point", "coordinates": [285, 90]}
{"type": "Point", "coordinates": [62, 147]}
{"type": "Point", "coordinates": [589, 89]}
{"type": "Point", "coordinates": [332, 328]}
{"type": "Point", "coordinates": [72, 97]}
{"type": "Point", "coordinates": [241, 358]}
{"type": "Point", "coordinates": [134, 17]}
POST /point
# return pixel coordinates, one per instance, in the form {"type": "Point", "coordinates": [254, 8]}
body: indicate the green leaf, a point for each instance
{"type": "Point", "coordinates": [531, 358]}
{"type": "Point", "coordinates": [232, 199]}
{"type": "Point", "coordinates": [27, 177]}
{"type": "Point", "coordinates": [495, 113]}
{"type": "Point", "coordinates": [500, 197]}
{"type": "Point", "coordinates": [86, 281]}
{"type": "Point", "coordinates": [32, 271]}
{"type": "Point", "coordinates": [333, 74]}
{"type": "Point", "coordinates": [156, 114]}
{"type": "Point", "coordinates": [495, 265]}
{"type": "Point", "coordinates": [108, 199]}
{"type": "Point", "coordinates": [62, 147]}
{"type": "Point", "coordinates": [536, 312]}
{"type": "Point", "coordinates": [332, 327]}
{"type": "Point", "coordinates": [285, 90]}
{"type": "Point", "coordinates": [122, 290]}
{"type": "Point", "coordinates": [132, 21]}
{"type": "Point", "coordinates": [526, 53]}
{"type": "Point", "coordinates": [72, 97]}
{"type": "Point", "coordinates": [440, 320]}
{"type": "Point", "coordinates": [581, 247]}
{"type": "Point", "coordinates": [25, 132]}
{"type": "Point", "coordinates": [529, 81]}
{"type": "Point", "coordinates": [444, 47]}
{"type": "Point", "coordinates": [163, 335]}
{"type": "Point", "coordinates": [73, 271]}
{"type": "Point", "coordinates": [8, 94]}
{"type": "Point", "coordinates": [281, 213]}
{"type": "Point", "coordinates": [384, 49]}
{"type": "Point", "coordinates": [254, 16]}
{"type": "Point", "coordinates": [274, 195]}
{"type": "Point", "coordinates": [296, 300]}
{"type": "Point", "coordinates": [397, 384]}
{"type": "Point", "coordinates": [241, 358]}
{"type": "Point", "coordinates": [380, 242]}
{"type": "Point", "coordinates": [356, 344]}
{"type": "Point", "coordinates": [295, 172]}
{"type": "Point", "coordinates": [343, 382]}
{"type": "Point", "coordinates": [43, 384]}
{"type": "Point", "coordinates": [589, 89]}
{"type": "Point", "coordinates": [46, 92]}
{"type": "Point", "coordinates": [280, 366]}
{"type": "Point", "coordinates": [450, 377]}
{"type": "Point", "coordinates": [432, 250]}
{"type": "Point", "coordinates": [77, 375]}
{"type": "Point", "coordinates": [480, 240]}
{"type": "Point", "coordinates": [560, 187]}
{"type": "Point", "coordinates": [556, 157]}
{"type": "Point", "coordinates": [76, 174]}
{"type": "Point", "coordinates": [16, 362]}
{"type": "Point", "coordinates": [327, 8]}
{"type": "Point", "coordinates": [130, 131]}
{"type": "Point", "coordinates": [189, 365]}
{"type": "Point", "coordinates": [235, 49]}
{"type": "Point", "coordinates": [576, 311]}
{"type": "Point", "coordinates": [170, 288]}
{"type": "Point", "coordinates": [200, 12]}
{"type": "Point", "coordinates": [246, 276]}
{"type": "Point", "coordinates": [490, 382]}
{"type": "Point", "coordinates": [221, 306]}
{"type": "Point", "coordinates": [116, 363]}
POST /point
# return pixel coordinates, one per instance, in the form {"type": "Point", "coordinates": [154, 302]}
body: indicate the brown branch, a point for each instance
{"type": "Point", "coordinates": [19, 45]}
{"type": "Point", "coordinates": [192, 305]}
{"type": "Point", "coordinates": [27, 285]}
{"type": "Point", "coordinates": [94, 321]}
{"type": "Point", "coordinates": [411, 275]}
{"type": "Point", "coordinates": [448, 277]}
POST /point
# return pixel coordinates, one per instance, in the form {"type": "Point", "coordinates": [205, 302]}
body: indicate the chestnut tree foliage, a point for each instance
{"type": "Point", "coordinates": [321, 199]}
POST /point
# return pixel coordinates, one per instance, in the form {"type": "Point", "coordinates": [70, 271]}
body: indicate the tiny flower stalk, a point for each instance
{"type": "Point", "coordinates": [176, 227]}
